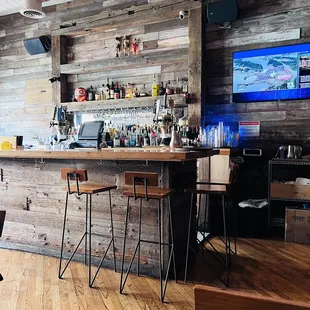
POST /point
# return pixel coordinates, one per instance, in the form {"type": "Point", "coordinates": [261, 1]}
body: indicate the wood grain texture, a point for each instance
{"type": "Point", "coordinates": [261, 24]}
{"type": "Point", "coordinates": [289, 191]}
{"type": "Point", "coordinates": [31, 282]}
{"type": "Point", "coordinates": [163, 155]}
{"type": "Point", "coordinates": [263, 268]}
{"type": "Point", "coordinates": [34, 197]}
{"type": "Point", "coordinates": [213, 298]}
{"type": "Point", "coordinates": [194, 64]}
{"type": "Point", "coordinates": [87, 59]}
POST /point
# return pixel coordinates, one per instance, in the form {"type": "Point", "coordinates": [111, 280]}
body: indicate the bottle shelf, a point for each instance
{"type": "Point", "coordinates": [139, 102]}
{"type": "Point", "coordinates": [126, 62]}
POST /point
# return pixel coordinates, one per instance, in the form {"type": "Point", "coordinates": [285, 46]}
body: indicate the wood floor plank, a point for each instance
{"type": "Point", "coordinates": [263, 267]}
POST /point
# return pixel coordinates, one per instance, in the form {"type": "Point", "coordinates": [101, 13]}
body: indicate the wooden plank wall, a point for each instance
{"type": "Point", "coordinates": [32, 193]}
{"type": "Point", "coordinates": [262, 23]}
{"type": "Point", "coordinates": [26, 100]}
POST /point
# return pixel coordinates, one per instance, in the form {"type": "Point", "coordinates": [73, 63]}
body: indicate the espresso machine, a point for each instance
{"type": "Point", "coordinates": [63, 125]}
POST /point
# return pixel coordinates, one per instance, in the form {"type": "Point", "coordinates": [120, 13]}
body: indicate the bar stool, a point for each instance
{"type": "Point", "coordinates": [79, 176]}
{"type": "Point", "coordinates": [144, 186]}
{"type": "Point", "coordinates": [206, 188]}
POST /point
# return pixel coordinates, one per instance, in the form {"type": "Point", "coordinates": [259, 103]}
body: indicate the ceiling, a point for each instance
{"type": "Point", "coordinates": [13, 6]}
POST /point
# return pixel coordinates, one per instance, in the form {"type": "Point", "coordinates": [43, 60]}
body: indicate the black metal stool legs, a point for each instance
{"type": "Point", "coordinates": [91, 281]}
{"type": "Point", "coordinates": [225, 263]}
{"type": "Point", "coordinates": [139, 235]}
{"type": "Point", "coordinates": [227, 246]}
{"type": "Point", "coordinates": [86, 229]}
{"type": "Point", "coordinates": [61, 272]}
{"type": "Point", "coordinates": [172, 239]}
{"type": "Point", "coordinates": [89, 236]}
{"type": "Point", "coordinates": [163, 282]}
{"type": "Point", "coordinates": [124, 248]}
{"type": "Point", "coordinates": [160, 255]}
{"type": "Point", "coordinates": [188, 236]}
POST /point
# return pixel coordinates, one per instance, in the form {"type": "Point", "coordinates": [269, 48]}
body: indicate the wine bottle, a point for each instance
{"type": "Point", "coordinates": [107, 90]}
{"type": "Point", "coordinates": [112, 91]}
{"type": "Point", "coordinates": [116, 91]}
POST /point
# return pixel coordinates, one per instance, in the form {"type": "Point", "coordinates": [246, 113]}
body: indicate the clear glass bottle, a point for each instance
{"type": "Point", "coordinates": [162, 89]}
{"type": "Point", "coordinates": [143, 92]}
{"type": "Point", "coordinates": [107, 90]}
{"type": "Point", "coordinates": [103, 96]}
{"type": "Point", "coordinates": [112, 91]}
{"type": "Point", "coordinates": [90, 93]}
{"type": "Point", "coordinates": [116, 140]}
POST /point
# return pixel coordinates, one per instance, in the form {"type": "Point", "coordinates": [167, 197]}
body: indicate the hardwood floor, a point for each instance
{"type": "Point", "coordinates": [269, 268]}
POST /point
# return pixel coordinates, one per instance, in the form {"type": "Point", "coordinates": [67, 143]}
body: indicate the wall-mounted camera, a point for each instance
{"type": "Point", "coordinates": [183, 15]}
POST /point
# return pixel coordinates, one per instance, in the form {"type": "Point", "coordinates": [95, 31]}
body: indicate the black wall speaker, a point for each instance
{"type": "Point", "coordinates": [38, 45]}
{"type": "Point", "coordinates": [222, 11]}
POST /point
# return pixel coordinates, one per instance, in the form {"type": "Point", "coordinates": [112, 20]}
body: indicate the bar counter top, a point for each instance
{"type": "Point", "coordinates": [132, 154]}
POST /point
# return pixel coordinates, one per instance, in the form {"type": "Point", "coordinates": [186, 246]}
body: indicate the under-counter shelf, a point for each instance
{"type": "Point", "coordinates": [289, 192]}
{"type": "Point", "coordinates": [139, 102]}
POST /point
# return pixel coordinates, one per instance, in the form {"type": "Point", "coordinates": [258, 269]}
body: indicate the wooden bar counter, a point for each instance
{"type": "Point", "coordinates": [32, 193]}
{"type": "Point", "coordinates": [148, 154]}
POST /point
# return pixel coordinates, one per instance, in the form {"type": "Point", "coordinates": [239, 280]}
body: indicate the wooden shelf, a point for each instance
{"type": "Point", "coordinates": [140, 102]}
{"type": "Point", "coordinates": [126, 62]}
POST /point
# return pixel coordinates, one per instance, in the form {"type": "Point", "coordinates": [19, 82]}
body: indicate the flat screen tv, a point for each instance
{"type": "Point", "coordinates": [277, 73]}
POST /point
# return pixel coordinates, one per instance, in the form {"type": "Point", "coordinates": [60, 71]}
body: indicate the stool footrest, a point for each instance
{"type": "Point", "coordinates": [155, 242]}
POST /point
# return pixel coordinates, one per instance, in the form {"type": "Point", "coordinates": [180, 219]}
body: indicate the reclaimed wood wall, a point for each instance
{"type": "Point", "coordinates": [262, 23]}
{"type": "Point", "coordinates": [32, 193]}
{"type": "Point", "coordinates": [91, 27]}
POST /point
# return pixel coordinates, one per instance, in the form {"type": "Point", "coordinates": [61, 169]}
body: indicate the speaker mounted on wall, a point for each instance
{"type": "Point", "coordinates": [222, 11]}
{"type": "Point", "coordinates": [39, 45]}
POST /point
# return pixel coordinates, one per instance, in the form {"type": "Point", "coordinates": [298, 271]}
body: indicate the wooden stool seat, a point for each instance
{"type": "Point", "coordinates": [207, 189]}
{"type": "Point", "coordinates": [91, 188]}
{"type": "Point", "coordinates": [152, 192]}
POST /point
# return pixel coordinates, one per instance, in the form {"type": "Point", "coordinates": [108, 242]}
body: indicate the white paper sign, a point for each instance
{"type": "Point", "coordinates": [249, 129]}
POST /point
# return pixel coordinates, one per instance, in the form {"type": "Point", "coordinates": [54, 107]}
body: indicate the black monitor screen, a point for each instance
{"type": "Point", "coordinates": [90, 130]}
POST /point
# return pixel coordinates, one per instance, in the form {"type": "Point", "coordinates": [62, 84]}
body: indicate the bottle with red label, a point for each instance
{"type": "Point", "coordinates": [116, 91]}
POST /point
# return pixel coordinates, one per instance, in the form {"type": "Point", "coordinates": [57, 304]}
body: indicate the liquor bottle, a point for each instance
{"type": "Point", "coordinates": [169, 89]}
{"type": "Point", "coordinates": [91, 93]}
{"type": "Point", "coordinates": [112, 91]}
{"type": "Point", "coordinates": [143, 91]}
{"type": "Point", "coordinates": [146, 140]}
{"type": "Point", "coordinates": [129, 91]}
{"type": "Point", "coordinates": [138, 139]}
{"type": "Point", "coordinates": [127, 140]}
{"type": "Point", "coordinates": [98, 93]}
{"type": "Point", "coordinates": [132, 139]}
{"type": "Point", "coordinates": [103, 93]}
{"type": "Point", "coordinates": [107, 90]}
{"type": "Point", "coordinates": [162, 90]}
{"type": "Point", "coordinates": [178, 87]}
{"type": "Point", "coordinates": [185, 87]}
{"type": "Point", "coordinates": [121, 92]}
{"type": "Point", "coordinates": [116, 140]}
{"type": "Point", "coordinates": [122, 138]}
{"type": "Point", "coordinates": [116, 91]}
{"type": "Point", "coordinates": [136, 93]}
{"type": "Point", "coordinates": [155, 87]}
